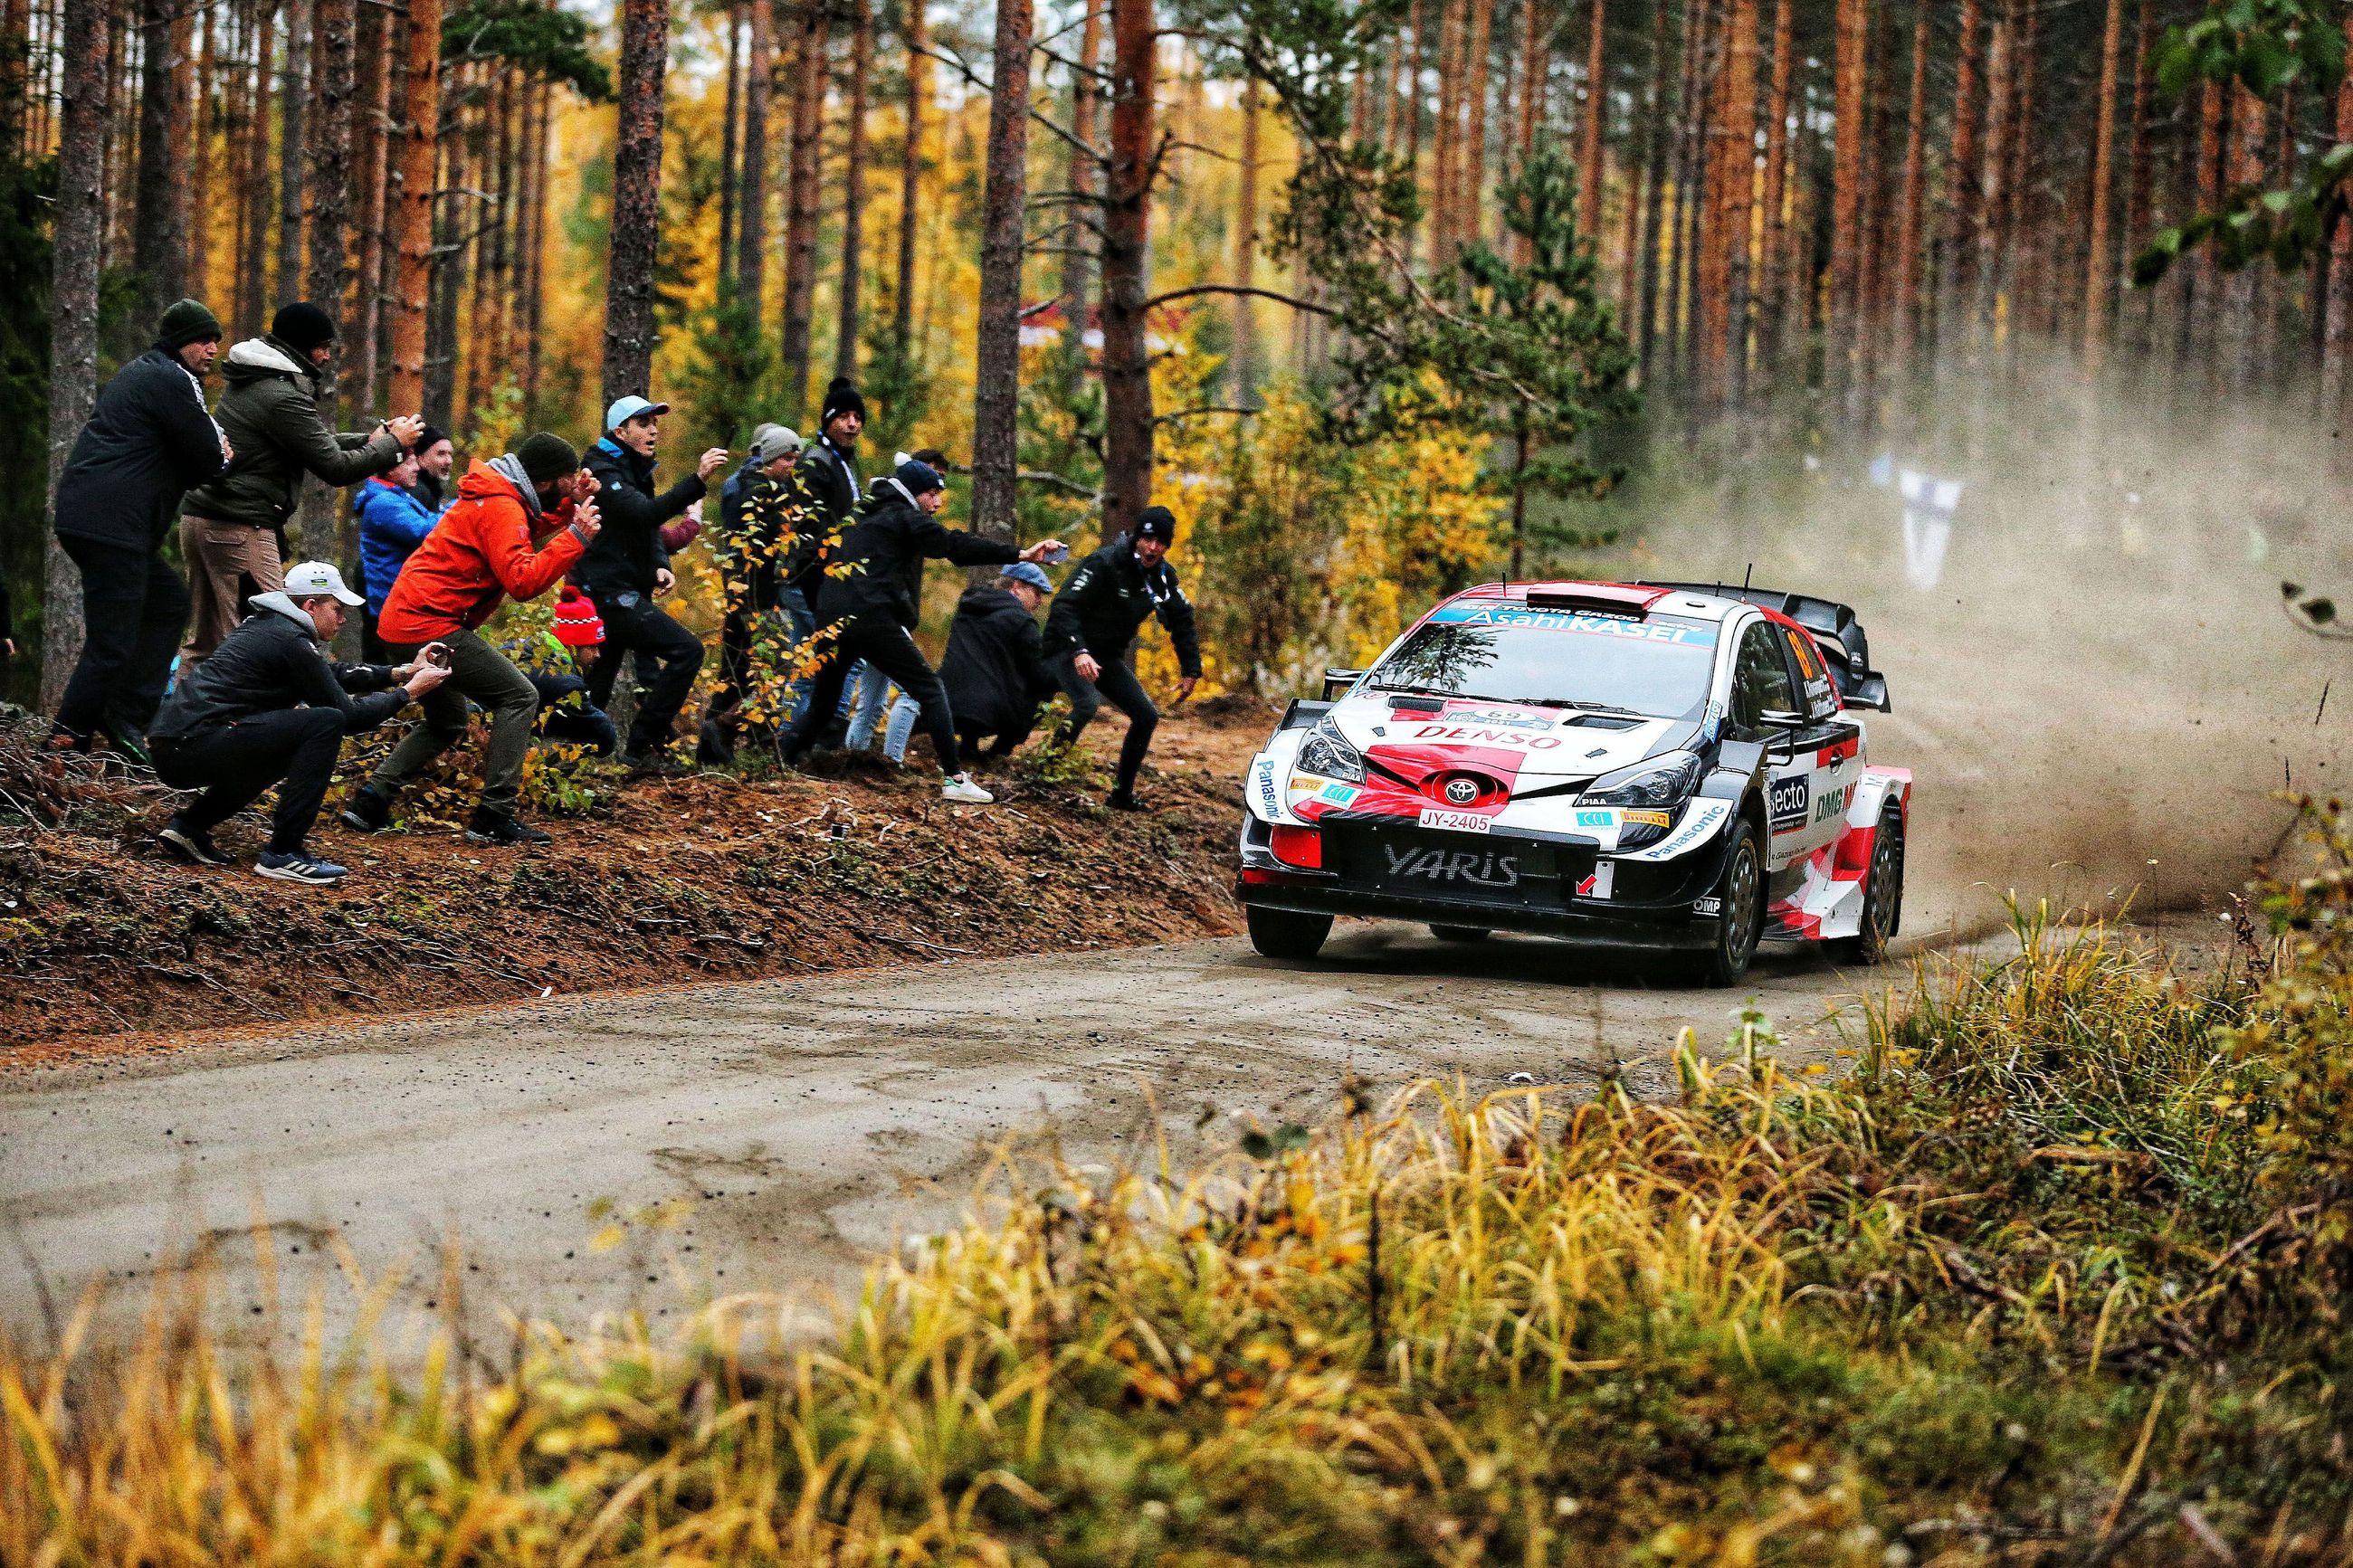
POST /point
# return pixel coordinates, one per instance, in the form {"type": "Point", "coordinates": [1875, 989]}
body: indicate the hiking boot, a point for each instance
{"type": "Point", "coordinates": [964, 792]}
{"type": "Point", "coordinates": [130, 748]}
{"type": "Point", "coordinates": [299, 866]}
{"type": "Point", "coordinates": [1124, 800]}
{"type": "Point", "coordinates": [713, 747]}
{"type": "Point", "coordinates": [192, 844]}
{"type": "Point", "coordinates": [487, 827]}
{"type": "Point", "coordinates": [365, 812]}
{"type": "Point", "coordinates": [653, 765]}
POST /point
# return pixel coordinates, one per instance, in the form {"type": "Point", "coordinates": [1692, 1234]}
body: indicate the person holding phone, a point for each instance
{"type": "Point", "coordinates": [1094, 622]}
{"type": "Point", "coordinates": [520, 522]}
{"type": "Point", "coordinates": [270, 708]}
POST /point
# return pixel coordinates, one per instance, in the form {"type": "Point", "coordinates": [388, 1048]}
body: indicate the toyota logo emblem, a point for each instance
{"type": "Point", "coordinates": [1461, 791]}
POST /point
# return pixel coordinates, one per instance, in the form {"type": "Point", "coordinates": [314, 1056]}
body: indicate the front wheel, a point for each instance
{"type": "Point", "coordinates": [1286, 934]}
{"type": "Point", "coordinates": [1740, 914]}
{"type": "Point", "coordinates": [1882, 894]}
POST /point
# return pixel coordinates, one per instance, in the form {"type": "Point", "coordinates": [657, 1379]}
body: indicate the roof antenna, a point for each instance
{"type": "Point", "coordinates": [1745, 576]}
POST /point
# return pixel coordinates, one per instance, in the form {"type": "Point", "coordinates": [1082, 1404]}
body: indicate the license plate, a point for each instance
{"type": "Point", "coordinates": [1457, 821]}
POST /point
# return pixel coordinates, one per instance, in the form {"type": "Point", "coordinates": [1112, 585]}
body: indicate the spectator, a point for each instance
{"type": "Point", "coordinates": [827, 474]}
{"type": "Point", "coordinates": [871, 688]}
{"type": "Point", "coordinates": [628, 568]}
{"type": "Point", "coordinates": [754, 539]}
{"type": "Point", "coordinates": [871, 609]}
{"type": "Point", "coordinates": [519, 524]}
{"type": "Point", "coordinates": [148, 439]}
{"type": "Point", "coordinates": [435, 458]}
{"type": "Point", "coordinates": [566, 713]}
{"type": "Point", "coordinates": [270, 708]}
{"type": "Point", "coordinates": [231, 528]}
{"type": "Point", "coordinates": [995, 668]}
{"type": "Point", "coordinates": [392, 522]}
{"type": "Point", "coordinates": [1093, 624]}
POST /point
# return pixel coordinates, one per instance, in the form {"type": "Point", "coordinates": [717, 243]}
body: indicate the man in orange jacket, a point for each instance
{"type": "Point", "coordinates": [518, 525]}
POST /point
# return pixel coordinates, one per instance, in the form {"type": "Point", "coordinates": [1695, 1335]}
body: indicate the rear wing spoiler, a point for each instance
{"type": "Point", "coordinates": [1845, 650]}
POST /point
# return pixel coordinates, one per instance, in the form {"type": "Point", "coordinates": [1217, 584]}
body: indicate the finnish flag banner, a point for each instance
{"type": "Point", "coordinates": [1928, 506]}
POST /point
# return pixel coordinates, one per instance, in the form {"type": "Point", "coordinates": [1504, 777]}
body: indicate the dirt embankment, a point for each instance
{"type": "Point", "coordinates": [698, 879]}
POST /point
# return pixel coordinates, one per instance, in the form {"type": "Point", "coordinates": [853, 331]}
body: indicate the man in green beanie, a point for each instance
{"type": "Point", "coordinates": [148, 441]}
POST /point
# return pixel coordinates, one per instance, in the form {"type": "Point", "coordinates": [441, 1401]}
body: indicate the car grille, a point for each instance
{"type": "Point", "coordinates": [1418, 862]}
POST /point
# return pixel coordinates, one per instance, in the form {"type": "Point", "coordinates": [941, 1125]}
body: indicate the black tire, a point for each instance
{"type": "Point", "coordinates": [1883, 895]}
{"type": "Point", "coordinates": [1461, 933]}
{"type": "Point", "coordinates": [1740, 919]}
{"type": "Point", "coordinates": [1286, 934]}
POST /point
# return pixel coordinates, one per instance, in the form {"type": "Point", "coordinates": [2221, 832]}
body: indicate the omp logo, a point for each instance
{"type": "Point", "coordinates": [1786, 799]}
{"type": "Point", "coordinates": [1485, 737]}
{"type": "Point", "coordinates": [1480, 867]}
{"type": "Point", "coordinates": [1461, 791]}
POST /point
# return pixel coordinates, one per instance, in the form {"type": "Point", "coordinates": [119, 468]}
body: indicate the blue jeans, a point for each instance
{"type": "Point", "coordinates": [801, 621]}
{"type": "Point", "coordinates": [866, 713]}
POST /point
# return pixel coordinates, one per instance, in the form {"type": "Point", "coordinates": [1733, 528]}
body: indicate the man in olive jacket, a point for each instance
{"type": "Point", "coordinates": [148, 439]}
{"type": "Point", "coordinates": [230, 528]}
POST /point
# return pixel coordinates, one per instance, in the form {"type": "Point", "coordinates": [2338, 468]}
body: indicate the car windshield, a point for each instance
{"type": "Point", "coordinates": [1659, 666]}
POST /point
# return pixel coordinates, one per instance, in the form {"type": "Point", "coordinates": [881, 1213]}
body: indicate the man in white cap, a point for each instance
{"type": "Point", "coordinates": [270, 708]}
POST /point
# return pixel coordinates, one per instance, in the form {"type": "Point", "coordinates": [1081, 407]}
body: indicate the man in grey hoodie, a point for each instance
{"type": "Point", "coordinates": [269, 708]}
{"type": "Point", "coordinates": [232, 527]}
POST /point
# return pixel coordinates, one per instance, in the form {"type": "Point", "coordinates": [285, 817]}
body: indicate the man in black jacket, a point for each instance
{"type": "Point", "coordinates": [268, 705]}
{"type": "Point", "coordinates": [871, 610]}
{"type": "Point", "coordinates": [232, 525]}
{"type": "Point", "coordinates": [995, 668]}
{"type": "Point", "coordinates": [148, 440]}
{"type": "Point", "coordinates": [1093, 624]}
{"type": "Point", "coordinates": [626, 569]}
{"type": "Point", "coordinates": [750, 549]}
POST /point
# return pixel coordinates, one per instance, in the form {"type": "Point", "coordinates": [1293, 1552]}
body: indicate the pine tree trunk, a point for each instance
{"type": "Point", "coordinates": [1535, 49]}
{"type": "Point", "coordinates": [1775, 270]}
{"type": "Point", "coordinates": [1846, 206]}
{"type": "Point", "coordinates": [2200, 315]}
{"type": "Point", "coordinates": [1470, 223]}
{"type": "Point", "coordinates": [911, 162]}
{"type": "Point", "coordinates": [1596, 110]}
{"type": "Point", "coordinates": [1078, 253]}
{"type": "Point", "coordinates": [1414, 14]}
{"type": "Point", "coordinates": [2015, 283]}
{"type": "Point", "coordinates": [412, 271]}
{"type": "Point", "coordinates": [367, 311]}
{"type": "Point", "coordinates": [2336, 331]}
{"type": "Point", "coordinates": [1992, 166]}
{"type": "Point", "coordinates": [1127, 237]}
{"type": "Point", "coordinates": [1690, 123]}
{"type": "Point", "coordinates": [637, 200]}
{"type": "Point", "coordinates": [853, 189]}
{"type": "Point", "coordinates": [253, 253]}
{"type": "Point", "coordinates": [811, 66]}
{"type": "Point", "coordinates": [449, 270]}
{"type": "Point", "coordinates": [159, 245]}
{"type": "Point", "coordinates": [1955, 274]}
{"type": "Point", "coordinates": [1446, 135]}
{"type": "Point", "coordinates": [2249, 128]}
{"type": "Point", "coordinates": [730, 165]}
{"type": "Point", "coordinates": [200, 159]}
{"type": "Point", "coordinates": [330, 531]}
{"type": "Point", "coordinates": [1870, 285]}
{"type": "Point", "coordinates": [1906, 324]}
{"type": "Point", "coordinates": [2099, 273]}
{"type": "Point", "coordinates": [1654, 182]}
{"type": "Point", "coordinates": [997, 350]}
{"type": "Point", "coordinates": [78, 233]}
{"type": "Point", "coordinates": [1732, 186]}
{"type": "Point", "coordinates": [534, 278]}
{"type": "Point", "coordinates": [752, 201]}
{"type": "Point", "coordinates": [294, 96]}
{"type": "Point", "coordinates": [2139, 177]}
{"type": "Point", "coordinates": [1245, 356]}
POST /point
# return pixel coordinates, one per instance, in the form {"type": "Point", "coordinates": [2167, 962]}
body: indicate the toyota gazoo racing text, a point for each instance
{"type": "Point", "coordinates": [1662, 764]}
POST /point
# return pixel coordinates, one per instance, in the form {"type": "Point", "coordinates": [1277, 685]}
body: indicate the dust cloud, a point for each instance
{"type": "Point", "coordinates": [2101, 699]}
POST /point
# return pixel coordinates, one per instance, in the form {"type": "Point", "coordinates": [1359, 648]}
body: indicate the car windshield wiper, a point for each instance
{"type": "Point", "coordinates": [1581, 707]}
{"type": "Point", "coordinates": [1413, 691]}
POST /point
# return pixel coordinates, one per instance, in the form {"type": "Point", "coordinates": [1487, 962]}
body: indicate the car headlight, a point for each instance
{"type": "Point", "coordinates": [1326, 752]}
{"type": "Point", "coordinates": [1661, 783]}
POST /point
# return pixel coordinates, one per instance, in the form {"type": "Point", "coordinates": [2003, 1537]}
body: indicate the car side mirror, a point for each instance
{"type": "Point", "coordinates": [1339, 680]}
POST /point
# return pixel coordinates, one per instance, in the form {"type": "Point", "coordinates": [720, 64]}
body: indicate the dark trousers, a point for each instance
{"type": "Point", "coordinates": [885, 644]}
{"type": "Point", "coordinates": [999, 746]}
{"type": "Point", "coordinates": [633, 625]}
{"type": "Point", "coordinates": [1118, 686]}
{"type": "Point", "coordinates": [233, 763]}
{"type": "Point", "coordinates": [134, 609]}
{"type": "Point", "coordinates": [372, 647]}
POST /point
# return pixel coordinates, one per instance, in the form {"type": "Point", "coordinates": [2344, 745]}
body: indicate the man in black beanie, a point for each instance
{"type": "Point", "coordinates": [231, 528]}
{"type": "Point", "coordinates": [435, 458]}
{"type": "Point", "coordinates": [148, 439]}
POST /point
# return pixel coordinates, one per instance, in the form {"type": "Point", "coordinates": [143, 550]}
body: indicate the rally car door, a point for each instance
{"type": "Point", "coordinates": [1762, 683]}
{"type": "Point", "coordinates": [1830, 744]}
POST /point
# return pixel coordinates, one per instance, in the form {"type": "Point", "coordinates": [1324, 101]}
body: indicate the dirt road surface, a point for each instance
{"type": "Point", "coordinates": [803, 1124]}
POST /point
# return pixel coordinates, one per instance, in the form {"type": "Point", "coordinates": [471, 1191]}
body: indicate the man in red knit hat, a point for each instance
{"type": "Point", "coordinates": [520, 522]}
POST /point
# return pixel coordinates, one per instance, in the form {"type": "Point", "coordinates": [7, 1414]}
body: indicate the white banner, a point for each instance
{"type": "Point", "coordinates": [1928, 506]}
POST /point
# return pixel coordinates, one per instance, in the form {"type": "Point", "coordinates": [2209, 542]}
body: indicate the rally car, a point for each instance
{"type": "Point", "coordinates": [1668, 765]}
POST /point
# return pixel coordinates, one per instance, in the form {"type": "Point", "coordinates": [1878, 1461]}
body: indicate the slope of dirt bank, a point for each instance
{"type": "Point", "coordinates": [704, 878]}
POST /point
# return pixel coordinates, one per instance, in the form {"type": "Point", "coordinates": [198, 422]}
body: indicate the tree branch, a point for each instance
{"type": "Point", "coordinates": [956, 62]}
{"type": "Point", "coordinates": [1292, 301]}
{"type": "Point", "coordinates": [1059, 482]}
{"type": "Point", "coordinates": [1175, 414]}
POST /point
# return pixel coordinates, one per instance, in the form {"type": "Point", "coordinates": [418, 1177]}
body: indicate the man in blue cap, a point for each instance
{"type": "Point", "coordinates": [994, 671]}
{"type": "Point", "coordinates": [626, 568]}
{"type": "Point", "coordinates": [872, 610]}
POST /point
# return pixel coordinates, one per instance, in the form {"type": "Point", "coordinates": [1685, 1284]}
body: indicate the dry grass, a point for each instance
{"type": "Point", "coordinates": [2023, 1287]}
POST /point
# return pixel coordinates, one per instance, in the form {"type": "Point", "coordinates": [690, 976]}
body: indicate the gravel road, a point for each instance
{"type": "Point", "coordinates": [805, 1124]}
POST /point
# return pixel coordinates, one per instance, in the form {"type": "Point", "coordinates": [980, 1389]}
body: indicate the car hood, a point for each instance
{"type": "Point", "coordinates": [1519, 745]}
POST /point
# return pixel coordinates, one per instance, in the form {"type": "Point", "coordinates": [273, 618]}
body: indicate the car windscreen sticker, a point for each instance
{"type": "Point", "coordinates": [1682, 633]}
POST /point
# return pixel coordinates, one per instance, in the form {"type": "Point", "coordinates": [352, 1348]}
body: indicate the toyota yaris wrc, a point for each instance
{"type": "Point", "coordinates": [1659, 765]}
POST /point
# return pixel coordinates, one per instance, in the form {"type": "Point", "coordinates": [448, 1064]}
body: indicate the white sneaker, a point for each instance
{"type": "Point", "coordinates": [962, 790]}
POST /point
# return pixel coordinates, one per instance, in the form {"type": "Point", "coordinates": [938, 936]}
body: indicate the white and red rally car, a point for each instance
{"type": "Point", "coordinates": [1652, 765]}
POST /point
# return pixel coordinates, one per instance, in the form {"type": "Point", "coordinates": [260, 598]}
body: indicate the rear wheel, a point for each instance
{"type": "Point", "coordinates": [1740, 917]}
{"type": "Point", "coordinates": [1882, 894]}
{"type": "Point", "coordinates": [1287, 933]}
{"type": "Point", "coordinates": [1461, 933]}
